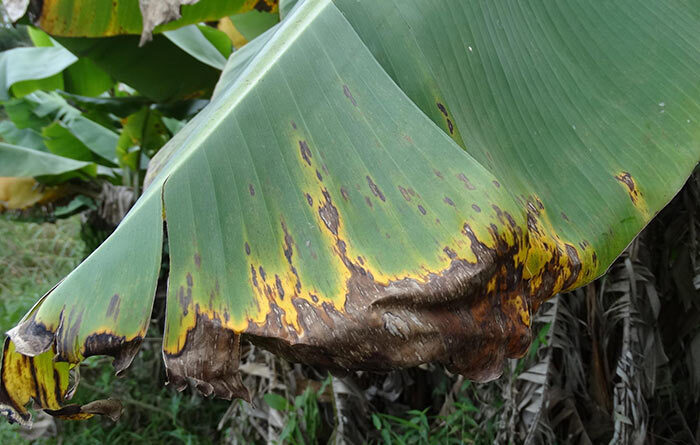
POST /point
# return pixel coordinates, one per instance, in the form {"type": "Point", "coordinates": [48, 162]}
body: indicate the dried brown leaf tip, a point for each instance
{"type": "Point", "coordinates": [157, 12]}
{"type": "Point", "coordinates": [208, 361]}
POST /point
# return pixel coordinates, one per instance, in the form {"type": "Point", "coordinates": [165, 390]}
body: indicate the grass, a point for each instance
{"type": "Point", "coordinates": [33, 257]}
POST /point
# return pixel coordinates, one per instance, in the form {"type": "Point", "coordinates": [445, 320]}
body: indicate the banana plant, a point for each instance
{"type": "Point", "coordinates": [377, 185]}
{"type": "Point", "coordinates": [90, 117]}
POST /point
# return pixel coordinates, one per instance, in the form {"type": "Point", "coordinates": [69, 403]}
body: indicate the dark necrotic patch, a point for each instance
{"type": "Point", "coordinates": [405, 194]}
{"type": "Point", "coordinates": [294, 125]}
{"type": "Point", "coordinates": [247, 248]}
{"type": "Point", "coordinates": [190, 282]}
{"type": "Point", "coordinates": [476, 208]}
{"type": "Point", "coordinates": [263, 275]}
{"type": "Point", "coordinates": [309, 199]}
{"type": "Point", "coordinates": [442, 108]}
{"type": "Point", "coordinates": [318, 175]}
{"type": "Point", "coordinates": [421, 209]}
{"type": "Point", "coordinates": [448, 201]}
{"type": "Point", "coordinates": [450, 253]}
{"type": "Point", "coordinates": [344, 193]}
{"type": "Point", "coordinates": [450, 126]}
{"type": "Point", "coordinates": [251, 189]}
{"type": "Point", "coordinates": [264, 5]}
{"type": "Point", "coordinates": [197, 260]}
{"type": "Point", "coordinates": [368, 201]}
{"type": "Point", "coordinates": [496, 183]}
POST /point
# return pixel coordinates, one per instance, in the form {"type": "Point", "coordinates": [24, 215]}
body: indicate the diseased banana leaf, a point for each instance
{"type": "Point", "coordinates": [100, 18]}
{"type": "Point", "coordinates": [384, 184]}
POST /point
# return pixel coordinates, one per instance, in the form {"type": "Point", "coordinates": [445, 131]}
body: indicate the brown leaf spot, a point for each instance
{"type": "Point", "coordinates": [251, 189]}
{"type": "Point", "coordinates": [309, 199]}
{"type": "Point", "coordinates": [375, 190]}
{"type": "Point", "coordinates": [190, 282]}
{"type": "Point", "coordinates": [438, 174]}
{"type": "Point", "coordinates": [368, 201]}
{"type": "Point", "coordinates": [197, 260]}
{"type": "Point", "coordinates": [247, 248]}
{"type": "Point", "coordinates": [288, 243]}
{"type": "Point", "coordinates": [442, 108]}
{"type": "Point", "coordinates": [305, 152]}
{"type": "Point", "coordinates": [294, 125]}
{"type": "Point", "coordinates": [344, 193]}
{"type": "Point", "coordinates": [405, 194]}
{"type": "Point", "coordinates": [347, 93]}
{"type": "Point", "coordinates": [496, 183]}
{"type": "Point", "coordinates": [113, 308]}
{"type": "Point", "coordinates": [563, 215]}
{"type": "Point", "coordinates": [422, 209]}
{"type": "Point", "coordinates": [280, 289]}
{"type": "Point", "coordinates": [450, 126]}
{"type": "Point", "coordinates": [318, 175]}
{"type": "Point", "coordinates": [184, 299]}
{"type": "Point", "coordinates": [626, 179]}
{"type": "Point", "coordinates": [254, 275]}
{"type": "Point", "coordinates": [263, 275]}
{"type": "Point", "coordinates": [476, 208]}
{"type": "Point", "coordinates": [448, 201]}
{"type": "Point", "coordinates": [462, 177]}
{"type": "Point", "coordinates": [329, 214]}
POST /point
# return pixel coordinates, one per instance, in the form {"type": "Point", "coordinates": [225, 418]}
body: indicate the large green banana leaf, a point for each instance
{"type": "Point", "coordinates": [21, 65]}
{"type": "Point", "coordinates": [384, 184]}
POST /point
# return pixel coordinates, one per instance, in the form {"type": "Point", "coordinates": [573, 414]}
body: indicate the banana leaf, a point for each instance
{"type": "Point", "coordinates": [385, 184]}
